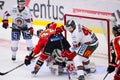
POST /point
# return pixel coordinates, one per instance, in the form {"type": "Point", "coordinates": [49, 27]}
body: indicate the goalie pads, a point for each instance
{"type": "Point", "coordinates": [70, 66]}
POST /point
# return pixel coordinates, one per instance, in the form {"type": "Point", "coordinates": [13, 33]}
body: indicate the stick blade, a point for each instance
{"type": "Point", "coordinates": [2, 73]}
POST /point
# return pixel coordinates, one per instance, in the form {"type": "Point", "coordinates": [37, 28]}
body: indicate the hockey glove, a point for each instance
{"type": "Point", "coordinates": [31, 30]}
{"type": "Point", "coordinates": [5, 24]}
{"type": "Point", "coordinates": [68, 54]}
{"type": "Point", "coordinates": [27, 60]}
{"type": "Point", "coordinates": [60, 29]}
{"type": "Point", "coordinates": [110, 69]}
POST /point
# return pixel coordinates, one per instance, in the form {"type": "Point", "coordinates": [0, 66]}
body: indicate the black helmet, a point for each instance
{"type": "Point", "coordinates": [20, 1]}
{"type": "Point", "coordinates": [48, 25]}
{"type": "Point", "coordinates": [116, 30]}
{"type": "Point", "coordinates": [70, 23]}
{"type": "Point", "coordinates": [39, 31]}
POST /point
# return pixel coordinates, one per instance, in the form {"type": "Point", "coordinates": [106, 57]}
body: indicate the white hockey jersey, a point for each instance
{"type": "Point", "coordinates": [20, 19]}
{"type": "Point", "coordinates": [81, 35]}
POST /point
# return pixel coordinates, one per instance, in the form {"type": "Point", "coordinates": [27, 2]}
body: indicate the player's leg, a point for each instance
{"type": "Point", "coordinates": [86, 51]}
{"type": "Point", "coordinates": [29, 45]}
{"type": "Point", "coordinates": [39, 63]}
{"type": "Point", "coordinates": [86, 64]}
{"type": "Point", "coordinates": [79, 67]}
{"type": "Point", "coordinates": [14, 49]}
{"type": "Point", "coordinates": [28, 39]}
{"type": "Point", "coordinates": [117, 74]}
{"type": "Point", "coordinates": [15, 36]}
{"type": "Point", "coordinates": [43, 56]}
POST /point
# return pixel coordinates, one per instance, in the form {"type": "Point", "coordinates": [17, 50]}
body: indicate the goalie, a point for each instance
{"type": "Point", "coordinates": [84, 43]}
{"type": "Point", "coordinates": [115, 53]}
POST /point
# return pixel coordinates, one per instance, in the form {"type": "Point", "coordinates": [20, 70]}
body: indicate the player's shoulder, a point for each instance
{"type": "Point", "coordinates": [46, 32]}
{"type": "Point", "coordinates": [14, 7]}
{"type": "Point", "coordinates": [27, 9]}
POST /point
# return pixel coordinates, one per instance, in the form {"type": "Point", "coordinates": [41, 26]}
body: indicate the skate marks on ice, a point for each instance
{"type": "Point", "coordinates": [100, 73]}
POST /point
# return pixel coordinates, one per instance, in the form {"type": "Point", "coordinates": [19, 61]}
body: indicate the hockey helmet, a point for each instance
{"type": "Point", "coordinates": [116, 30]}
{"type": "Point", "coordinates": [38, 32]}
{"type": "Point", "coordinates": [70, 23]}
{"type": "Point", "coordinates": [48, 25]}
{"type": "Point", "coordinates": [20, 1]}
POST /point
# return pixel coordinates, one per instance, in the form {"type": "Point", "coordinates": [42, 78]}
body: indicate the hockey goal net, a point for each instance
{"type": "Point", "coordinates": [100, 25]}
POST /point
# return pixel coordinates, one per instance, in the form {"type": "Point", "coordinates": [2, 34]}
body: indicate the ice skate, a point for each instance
{"type": "Point", "coordinates": [87, 71]}
{"type": "Point", "coordinates": [35, 71]}
{"type": "Point", "coordinates": [81, 77]}
{"type": "Point", "coordinates": [13, 57]}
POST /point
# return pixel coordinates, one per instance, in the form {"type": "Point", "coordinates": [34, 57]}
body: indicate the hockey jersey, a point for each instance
{"type": "Point", "coordinates": [20, 19]}
{"type": "Point", "coordinates": [82, 35]}
{"type": "Point", "coordinates": [115, 49]}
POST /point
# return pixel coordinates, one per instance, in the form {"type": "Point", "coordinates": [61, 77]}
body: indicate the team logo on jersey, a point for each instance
{"type": "Point", "coordinates": [15, 35]}
{"type": "Point", "coordinates": [19, 21]}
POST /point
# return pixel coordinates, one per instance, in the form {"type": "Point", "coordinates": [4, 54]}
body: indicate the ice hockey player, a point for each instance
{"type": "Point", "coordinates": [115, 53]}
{"type": "Point", "coordinates": [50, 39]}
{"type": "Point", "coordinates": [84, 43]}
{"type": "Point", "coordinates": [22, 24]}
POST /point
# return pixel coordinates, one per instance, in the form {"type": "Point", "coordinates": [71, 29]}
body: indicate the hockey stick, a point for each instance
{"type": "Point", "coordinates": [11, 69]}
{"type": "Point", "coordinates": [105, 76]}
{"type": "Point", "coordinates": [15, 68]}
{"type": "Point", "coordinates": [69, 77]}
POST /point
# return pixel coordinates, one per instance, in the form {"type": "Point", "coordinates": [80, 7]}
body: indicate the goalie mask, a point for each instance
{"type": "Point", "coordinates": [116, 30]}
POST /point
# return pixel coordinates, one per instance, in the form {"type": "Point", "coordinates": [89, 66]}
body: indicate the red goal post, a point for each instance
{"type": "Point", "coordinates": [101, 25]}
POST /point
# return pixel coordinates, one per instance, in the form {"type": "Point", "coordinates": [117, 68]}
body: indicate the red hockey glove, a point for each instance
{"type": "Point", "coordinates": [60, 29]}
{"type": "Point", "coordinates": [31, 30]}
{"type": "Point", "coordinates": [5, 24]}
{"type": "Point", "coordinates": [65, 53]}
{"type": "Point", "coordinates": [71, 55]}
{"type": "Point", "coordinates": [27, 60]}
{"type": "Point", "coordinates": [68, 54]}
{"type": "Point", "coordinates": [110, 69]}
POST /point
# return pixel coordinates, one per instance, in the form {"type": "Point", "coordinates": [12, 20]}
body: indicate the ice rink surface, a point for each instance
{"type": "Point", "coordinates": [24, 72]}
